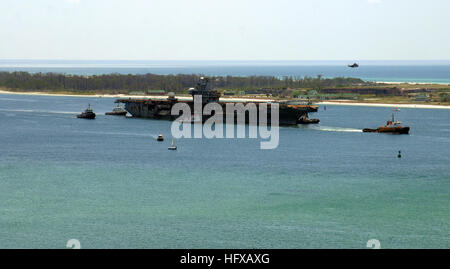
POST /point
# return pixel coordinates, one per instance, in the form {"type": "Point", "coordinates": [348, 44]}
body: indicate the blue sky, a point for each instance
{"type": "Point", "coordinates": [225, 30]}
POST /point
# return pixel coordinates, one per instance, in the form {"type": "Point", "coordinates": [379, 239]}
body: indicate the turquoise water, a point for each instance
{"type": "Point", "coordinates": [109, 184]}
{"type": "Point", "coordinates": [384, 71]}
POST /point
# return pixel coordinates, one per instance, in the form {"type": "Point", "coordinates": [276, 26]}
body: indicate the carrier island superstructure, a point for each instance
{"type": "Point", "coordinates": [289, 113]}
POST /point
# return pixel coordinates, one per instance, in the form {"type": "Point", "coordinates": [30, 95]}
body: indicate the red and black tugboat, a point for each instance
{"type": "Point", "coordinates": [392, 126]}
{"type": "Point", "coordinates": [87, 114]}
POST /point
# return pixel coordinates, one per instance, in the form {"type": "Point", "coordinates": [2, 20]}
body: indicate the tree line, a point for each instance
{"type": "Point", "coordinates": [121, 83]}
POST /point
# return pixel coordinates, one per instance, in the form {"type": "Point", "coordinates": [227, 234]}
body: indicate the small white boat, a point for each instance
{"type": "Point", "coordinates": [117, 111]}
{"type": "Point", "coordinates": [172, 146]}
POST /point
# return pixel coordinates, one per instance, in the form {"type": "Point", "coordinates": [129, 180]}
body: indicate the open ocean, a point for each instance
{"type": "Point", "coordinates": [381, 71]}
{"type": "Point", "coordinates": [109, 184]}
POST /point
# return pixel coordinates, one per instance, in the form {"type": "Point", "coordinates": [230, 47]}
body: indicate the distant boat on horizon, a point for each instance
{"type": "Point", "coordinates": [354, 65]}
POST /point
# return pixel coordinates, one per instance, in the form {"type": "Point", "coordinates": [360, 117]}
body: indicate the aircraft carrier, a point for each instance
{"type": "Point", "coordinates": [290, 113]}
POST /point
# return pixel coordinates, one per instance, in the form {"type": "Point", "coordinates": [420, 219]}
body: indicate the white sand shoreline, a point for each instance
{"type": "Point", "coordinates": [131, 96]}
{"type": "Point", "coordinates": [411, 83]}
{"type": "Point", "coordinates": [342, 103]}
{"type": "Point", "coordinates": [56, 94]}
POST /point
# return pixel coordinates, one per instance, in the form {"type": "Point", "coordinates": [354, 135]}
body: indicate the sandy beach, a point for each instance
{"type": "Point", "coordinates": [56, 94]}
{"type": "Point", "coordinates": [132, 96]}
{"type": "Point", "coordinates": [345, 103]}
{"type": "Point", "coordinates": [340, 102]}
{"type": "Point", "coordinates": [410, 83]}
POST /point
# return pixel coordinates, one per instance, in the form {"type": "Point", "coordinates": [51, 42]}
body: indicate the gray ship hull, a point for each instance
{"type": "Point", "coordinates": [161, 109]}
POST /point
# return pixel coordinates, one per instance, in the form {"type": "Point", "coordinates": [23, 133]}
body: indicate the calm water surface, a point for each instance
{"type": "Point", "coordinates": [109, 184]}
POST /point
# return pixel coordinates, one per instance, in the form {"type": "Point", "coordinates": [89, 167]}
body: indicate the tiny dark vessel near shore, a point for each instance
{"type": "Point", "coordinates": [87, 114]}
{"type": "Point", "coordinates": [305, 120]}
{"type": "Point", "coordinates": [355, 65]}
{"type": "Point", "coordinates": [160, 138]}
{"type": "Point", "coordinates": [117, 111]}
{"type": "Point", "coordinates": [393, 127]}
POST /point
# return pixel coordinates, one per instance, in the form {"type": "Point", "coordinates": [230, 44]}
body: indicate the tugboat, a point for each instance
{"type": "Point", "coordinates": [160, 138]}
{"type": "Point", "coordinates": [87, 114]}
{"type": "Point", "coordinates": [305, 120]}
{"type": "Point", "coordinates": [392, 126]}
{"type": "Point", "coordinates": [117, 111]}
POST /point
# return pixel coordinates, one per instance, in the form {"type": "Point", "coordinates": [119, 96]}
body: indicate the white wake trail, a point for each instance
{"type": "Point", "coordinates": [38, 111]}
{"type": "Point", "coordinates": [335, 129]}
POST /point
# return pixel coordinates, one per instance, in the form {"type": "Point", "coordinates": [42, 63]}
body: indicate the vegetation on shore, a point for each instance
{"type": "Point", "coordinates": [304, 88]}
{"type": "Point", "coordinates": [118, 83]}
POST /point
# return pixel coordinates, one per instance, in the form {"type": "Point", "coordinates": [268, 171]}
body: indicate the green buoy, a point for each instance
{"type": "Point", "coordinates": [399, 154]}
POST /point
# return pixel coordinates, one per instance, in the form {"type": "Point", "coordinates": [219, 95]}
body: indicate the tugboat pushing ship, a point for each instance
{"type": "Point", "coordinates": [289, 113]}
{"type": "Point", "coordinates": [117, 111]}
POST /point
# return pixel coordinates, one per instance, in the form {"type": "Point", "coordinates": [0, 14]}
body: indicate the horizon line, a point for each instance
{"type": "Point", "coordinates": [229, 60]}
